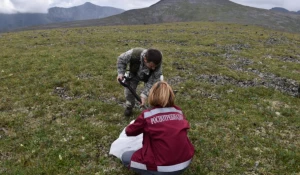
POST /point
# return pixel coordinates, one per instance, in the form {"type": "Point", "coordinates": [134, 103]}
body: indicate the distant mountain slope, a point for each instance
{"type": "Point", "coordinates": [83, 12]}
{"type": "Point", "coordinates": [283, 10]}
{"type": "Point", "coordinates": [56, 14]}
{"type": "Point", "coordinates": [12, 21]}
{"type": "Point", "coordinates": [279, 9]}
{"type": "Point", "coordinates": [195, 10]}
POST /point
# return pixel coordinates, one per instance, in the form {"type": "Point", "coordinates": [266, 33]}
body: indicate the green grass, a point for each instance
{"type": "Point", "coordinates": [61, 106]}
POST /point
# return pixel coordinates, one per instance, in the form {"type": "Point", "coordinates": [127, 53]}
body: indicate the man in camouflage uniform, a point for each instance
{"type": "Point", "coordinates": [144, 65]}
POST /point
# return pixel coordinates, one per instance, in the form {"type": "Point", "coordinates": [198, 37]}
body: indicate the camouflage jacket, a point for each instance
{"type": "Point", "coordinates": [124, 60]}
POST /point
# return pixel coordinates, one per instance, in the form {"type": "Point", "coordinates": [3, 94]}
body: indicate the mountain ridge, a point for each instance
{"type": "Point", "coordinates": [283, 10]}
{"type": "Point", "coordinates": [166, 11]}
{"type": "Point", "coordinates": [56, 14]}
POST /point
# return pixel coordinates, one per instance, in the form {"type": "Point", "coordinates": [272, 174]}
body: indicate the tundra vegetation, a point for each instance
{"type": "Point", "coordinates": [61, 106]}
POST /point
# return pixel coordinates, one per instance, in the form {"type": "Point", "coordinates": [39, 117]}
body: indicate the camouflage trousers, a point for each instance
{"type": "Point", "coordinates": [130, 99]}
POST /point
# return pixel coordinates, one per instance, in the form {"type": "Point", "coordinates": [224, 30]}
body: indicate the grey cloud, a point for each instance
{"type": "Point", "coordinates": [24, 6]}
{"type": "Point", "coordinates": [292, 5]}
{"type": "Point", "coordinates": [7, 7]}
{"type": "Point", "coordinates": [266, 4]}
{"type": "Point", "coordinates": [123, 4]}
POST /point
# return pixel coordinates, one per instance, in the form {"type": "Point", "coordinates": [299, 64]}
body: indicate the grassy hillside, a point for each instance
{"type": "Point", "coordinates": [61, 106]}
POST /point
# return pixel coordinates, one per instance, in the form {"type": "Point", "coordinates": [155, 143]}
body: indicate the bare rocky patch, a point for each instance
{"type": "Point", "coordinates": [267, 80]}
{"type": "Point", "coordinates": [113, 100]}
{"type": "Point", "coordinates": [234, 47]}
{"type": "Point", "coordinates": [176, 80]}
{"type": "Point", "coordinates": [62, 92]}
{"type": "Point", "coordinates": [274, 40]}
{"type": "Point", "coordinates": [84, 76]}
{"type": "Point", "coordinates": [290, 59]}
{"type": "Point", "coordinates": [64, 95]}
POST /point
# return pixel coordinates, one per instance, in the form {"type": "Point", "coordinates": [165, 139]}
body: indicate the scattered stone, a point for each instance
{"type": "Point", "coordinates": [84, 76]}
{"type": "Point", "coordinates": [264, 79]}
{"type": "Point", "coordinates": [271, 41]}
{"type": "Point", "coordinates": [234, 47]}
{"type": "Point", "coordinates": [267, 80]}
{"type": "Point", "coordinates": [178, 66]}
{"type": "Point", "coordinates": [176, 80]}
{"type": "Point", "coordinates": [290, 59]}
{"type": "Point", "coordinates": [62, 92]}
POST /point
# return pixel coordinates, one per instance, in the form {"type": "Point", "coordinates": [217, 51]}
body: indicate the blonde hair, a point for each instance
{"type": "Point", "coordinates": [161, 94]}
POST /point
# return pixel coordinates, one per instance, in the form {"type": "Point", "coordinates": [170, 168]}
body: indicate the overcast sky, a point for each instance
{"type": "Point", "coordinates": [41, 6]}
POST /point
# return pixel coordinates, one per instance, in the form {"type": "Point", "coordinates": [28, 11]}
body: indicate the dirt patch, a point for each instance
{"type": "Point", "coordinates": [267, 80]}
{"type": "Point", "coordinates": [290, 59]}
{"type": "Point", "coordinates": [62, 92]}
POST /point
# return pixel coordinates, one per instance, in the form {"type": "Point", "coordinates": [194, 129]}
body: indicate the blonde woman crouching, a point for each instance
{"type": "Point", "coordinates": [166, 147]}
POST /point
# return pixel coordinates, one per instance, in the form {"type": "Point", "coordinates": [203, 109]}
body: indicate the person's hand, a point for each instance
{"type": "Point", "coordinates": [120, 77]}
{"type": "Point", "coordinates": [143, 102]}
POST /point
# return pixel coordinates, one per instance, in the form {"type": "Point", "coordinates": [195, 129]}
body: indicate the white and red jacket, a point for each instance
{"type": "Point", "coordinates": [166, 146]}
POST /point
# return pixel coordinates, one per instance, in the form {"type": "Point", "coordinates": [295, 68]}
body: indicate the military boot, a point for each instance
{"type": "Point", "coordinates": [128, 111]}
